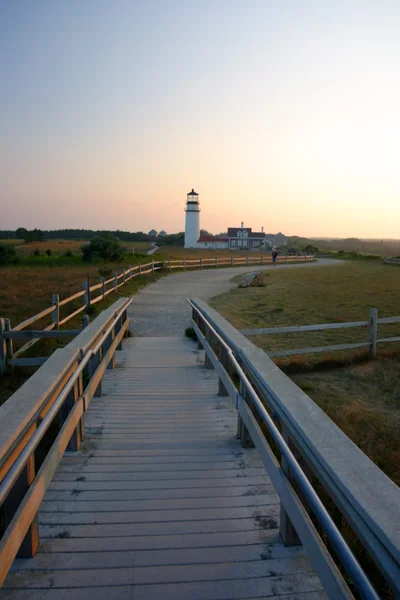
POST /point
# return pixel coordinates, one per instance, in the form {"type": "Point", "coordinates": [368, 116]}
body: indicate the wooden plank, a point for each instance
{"type": "Point", "coordinates": [72, 315]}
{"type": "Point", "coordinates": [388, 320]}
{"type": "Point", "coordinates": [387, 340]}
{"type": "Point", "coordinates": [36, 317]}
{"type": "Point", "coordinates": [28, 345]}
{"type": "Point", "coordinates": [74, 297]}
{"type": "Point", "coordinates": [302, 328]}
{"type": "Point", "coordinates": [28, 362]}
{"type": "Point", "coordinates": [41, 334]}
{"type": "Point", "coordinates": [316, 349]}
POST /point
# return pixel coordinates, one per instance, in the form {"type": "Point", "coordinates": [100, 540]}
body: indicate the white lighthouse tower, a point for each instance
{"type": "Point", "coordinates": [192, 225]}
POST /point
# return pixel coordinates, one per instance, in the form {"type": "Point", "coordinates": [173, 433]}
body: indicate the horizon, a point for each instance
{"type": "Point", "coordinates": [279, 116]}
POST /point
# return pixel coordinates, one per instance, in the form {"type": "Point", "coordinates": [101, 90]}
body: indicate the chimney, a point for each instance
{"type": "Point", "coordinates": [242, 225]}
{"type": "Point", "coordinates": [262, 229]}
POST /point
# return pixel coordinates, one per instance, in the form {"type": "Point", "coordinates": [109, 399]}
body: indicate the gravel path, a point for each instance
{"type": "Point", "coordinates": [160, 309]}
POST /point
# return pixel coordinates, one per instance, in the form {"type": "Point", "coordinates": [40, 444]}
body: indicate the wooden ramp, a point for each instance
{"type": "Point", "coordinates": [162, 502]}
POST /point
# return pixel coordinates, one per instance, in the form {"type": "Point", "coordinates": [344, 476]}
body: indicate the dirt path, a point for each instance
{"type": "Point", "coordinates": [160, 308]}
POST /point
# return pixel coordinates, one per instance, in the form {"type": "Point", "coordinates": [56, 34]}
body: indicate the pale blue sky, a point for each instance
{"type": "Point", "coordinates": [283, 114]}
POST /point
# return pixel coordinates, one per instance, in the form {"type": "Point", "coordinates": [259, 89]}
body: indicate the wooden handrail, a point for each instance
{"type": "Point", "coordinates": [27, 415]}
{"type": "Point", "coordinates": [362, 493]}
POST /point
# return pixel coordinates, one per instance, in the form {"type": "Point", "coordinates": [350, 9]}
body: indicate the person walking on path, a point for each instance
{"type": "Point", "coordinates": [274, 256]}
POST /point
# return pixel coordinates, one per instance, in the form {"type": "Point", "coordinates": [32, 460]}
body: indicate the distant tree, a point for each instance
{"type": "Point", "coordinates": [35, 235]}
{"type": "Point", "coordinates": [205, 232]}
{"type": "Point", "coordinates": [174, 239]}
{"type": "Point", "coordinates": [310, 248]}
{"type": "Point", "coordinates": [7, 254]}
{"type": "Point", "coordinates": [105, 248]}
{"type": "Point", "coordinates": [21, 233]}
{"type": "Point", "coordinates": [36, 252]}
{"type": "Point", "coordinates": [48, 252]}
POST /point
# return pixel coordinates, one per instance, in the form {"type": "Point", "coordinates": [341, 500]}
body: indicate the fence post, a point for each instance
{"type": "Point", "coordinates": [373, 330]}
{"type": "Point", "coordinates": [232, 261]}
{"type": "Point", "coordinates": [55, 315]}
{"type": "Point", "coordinates": [3, 347]}
{"type": "Point", "coordinates": [103, 287]}
{"type": "Point", "coordinates": [262, 258]}
{"type": "Point", "coordinates": [115, 282]}
{"type": "Point", "coordinates": [286, 258]}
{"type": "Point", "coordinates": [169, 264]}
{"type": "Point", "coordinates": [152, 265]}
{"type": "Point", "coordinates": [216, 263]}
{"type": "Point", "coordinates": [86, 297]}
{"type": "Point", "coordinates": [184, 263]}
{"type": "Point", "coordinates": [247, 259]}
{"type": "Point", "coordinates": [297, 257]}
{"type": "Point", "coordinates": [201, 262]}
{"type": "Point", "coordinates": [124, 275]}
{"type": "Point", "coordinates": [140, 268]}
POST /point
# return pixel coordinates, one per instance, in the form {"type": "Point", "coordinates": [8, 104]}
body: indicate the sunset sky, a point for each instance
{"type": "Point", "coordinates": [283, 113]}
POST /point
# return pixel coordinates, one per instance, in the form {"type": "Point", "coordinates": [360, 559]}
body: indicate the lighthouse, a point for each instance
{"type": "Point", "coordinates": [192, 224]}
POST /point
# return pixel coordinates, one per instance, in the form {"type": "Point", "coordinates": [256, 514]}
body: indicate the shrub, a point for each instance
{"type": "Point", "coordinates": [48, 252]}
{"type": "Point", "coordinates": [190, 333]}
{"type": "Point", "coordinates": [7, 254]}
{"type": "Point", "coordinates": [36, 252]}
{"type": "Point", "coordinates": [68, 252]}
{"type": "Point", "coordinates": [105, 271]}
{"type": "Point", "coordinates": [105, 248]}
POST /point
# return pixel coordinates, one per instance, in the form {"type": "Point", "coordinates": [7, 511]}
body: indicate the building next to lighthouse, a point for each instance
{"type": "Point", "coordinates": [237, 238]}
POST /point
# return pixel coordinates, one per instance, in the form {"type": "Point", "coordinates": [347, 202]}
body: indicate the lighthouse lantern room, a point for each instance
{"type": "Point", "coordinates": [192, 225]}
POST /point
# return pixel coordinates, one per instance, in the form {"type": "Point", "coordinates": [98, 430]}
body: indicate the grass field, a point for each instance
{"type": "Point", "coordinates": [181, 252]}
{"type": "Point", "coordinates": [59, 247]}
{"type": "Point", "coordinates": [361, 395]}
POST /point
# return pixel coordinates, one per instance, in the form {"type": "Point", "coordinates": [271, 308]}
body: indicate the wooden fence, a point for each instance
{"type": "Point", "coordinates": [371, 343]}
{"type": "Point", "coordinates": [392, 260]}
{"type": "Point", "coordinates": [318, 472]}
{"type": "Point", "coordinates": [8, 334]}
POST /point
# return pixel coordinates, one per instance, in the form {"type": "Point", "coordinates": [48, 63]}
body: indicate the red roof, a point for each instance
{"type": "Point", "coordinates": [211, 238]}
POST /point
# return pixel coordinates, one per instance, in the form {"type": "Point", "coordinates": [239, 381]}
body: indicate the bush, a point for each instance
{"type": "Point", "coordinates": [105, 248]}
{"type": "Point", "coordinates": [36, 252]}
{"type": "Point", "coordinates": [7, 254]}
{"type": "Point", "coordinates": [68, 252]}
{"type": "Point", "coordinates": [48, 252]}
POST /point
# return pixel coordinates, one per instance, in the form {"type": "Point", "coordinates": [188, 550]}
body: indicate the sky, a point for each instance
{"type": "Point", "coordinates": [279, 114]}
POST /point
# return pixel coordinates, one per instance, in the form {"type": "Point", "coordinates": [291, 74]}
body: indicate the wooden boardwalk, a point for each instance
{"type": "Point", "coordinates": [161, 502]}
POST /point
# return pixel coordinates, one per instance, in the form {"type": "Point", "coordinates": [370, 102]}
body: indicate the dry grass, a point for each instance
{"type": "Point", "coordinates": [59, 247]}
{"type": "Point", "coordinates": [364, 401]}
{"type": "Point", "coordinates": [332, 294]}
{"type": "Point", "coordinates": [363, 398]}
{"type": "Point", "coordinates": [176, 252]}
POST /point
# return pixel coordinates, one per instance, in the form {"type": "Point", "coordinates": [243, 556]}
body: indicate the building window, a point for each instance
{"type": "Point", "coordinates": [256, 243]}
{"type": "Point", "coordinates": [233, 242]}
{"type": "Point", "coordinates": [205, 244]}
{"type": "Point", "coordinates": [244, 242]}
{"type": "Point", "coordinates": [239, 242]}
{"type": "Point", "coordinates": [245, 233]}
{"type": "Point", "coordinates": [239, 234]}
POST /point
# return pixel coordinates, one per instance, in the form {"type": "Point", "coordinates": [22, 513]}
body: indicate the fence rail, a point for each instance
{"type": "Point", "coordinates": [310, 452]}
{"type": "Point", "coordinates": [8, 334]}
{"type": "Point", "coordinates": [56, 396]}
{"type": "Point", "coordinates": [392, 260]}
{"type": "Point", "coordinates": [372, 342]}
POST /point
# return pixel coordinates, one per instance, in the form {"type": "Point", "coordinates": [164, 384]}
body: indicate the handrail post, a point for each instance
{"type": "Point", "coordinates": [115, 282]}
{"type": "Point", "coordinates": [85, 321]}
{"type": "Point", "coordinates": [86, 297]}
{"type": "Point", "coordinates": [242, 431]}
{"type": "Point", "coordinates": [55, 315]}
{"type": "Point", "coordinates": [223, 359]}
{"type": "Point", "coordinates": [286, 530]}
{"type": "Point", "coordinates": [31, 540]}
{"type": "Point", "coordinates": [208, 335]}
{"type": "Point", "coordinates": [3, 346]}
{"type": "Point", "coordinates": [103, 287]}
{"type": "Point", "coordinates": [373, 330]}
